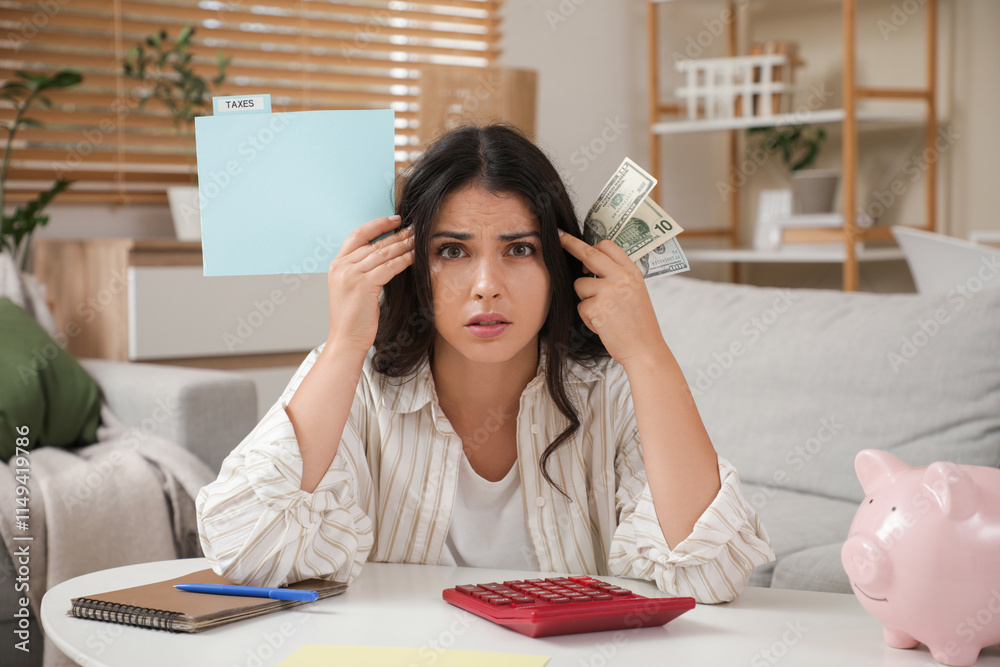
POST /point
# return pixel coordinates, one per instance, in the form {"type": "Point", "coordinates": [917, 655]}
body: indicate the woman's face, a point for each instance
{"type": "Point", "coordinates": [486, 263]}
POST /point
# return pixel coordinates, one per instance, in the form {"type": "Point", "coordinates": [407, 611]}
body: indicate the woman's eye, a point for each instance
{"type": "Point", "coordinates": [445, 251]}
{"type": "Point", "coordinates": [526, 247]}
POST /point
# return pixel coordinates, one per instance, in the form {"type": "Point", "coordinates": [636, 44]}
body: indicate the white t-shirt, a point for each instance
{"type": "Point", "coordinates": [488, 525]}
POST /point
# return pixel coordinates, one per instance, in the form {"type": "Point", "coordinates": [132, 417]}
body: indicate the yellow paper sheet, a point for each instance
{"type": "Point", "coordinates": [318, 655]}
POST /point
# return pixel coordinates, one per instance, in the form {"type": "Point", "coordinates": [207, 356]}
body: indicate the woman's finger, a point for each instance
{"type": "Point", "coordinates": [586, 287]}
{"type": "Point", "coordinates": [615, 252]}
{"type": "Point", "coordinates": [369, 249]}
{"type": "Point", "coordinates": [363, 235]}
{"type": "Point", "coordinates": [385, 271]}
{"type": "Point", "coordinates": [389, 250]}
{"type": "Point", "coordinates": [594, 258]}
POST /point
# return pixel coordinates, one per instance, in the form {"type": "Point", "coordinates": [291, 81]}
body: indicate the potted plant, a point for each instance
{"type": "Point", "coordinates": [166, 64]}
{"type": "Point", "coordinates": [813, 190]}
{"type": "Point", "coordinates": [17, 229]}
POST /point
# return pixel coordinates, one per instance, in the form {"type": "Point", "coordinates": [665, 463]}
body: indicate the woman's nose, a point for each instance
{"type": "Point", "coordinates": [487, 279]}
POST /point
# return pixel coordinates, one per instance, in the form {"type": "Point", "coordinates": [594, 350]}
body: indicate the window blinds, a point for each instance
{"type": "Point", "coordinates": [308, 54]}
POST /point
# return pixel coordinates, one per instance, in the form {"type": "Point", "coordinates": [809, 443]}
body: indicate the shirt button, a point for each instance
{"type": "Point", "coordinates": [536, 429]}
{"type": "Point", "coordinates": [540, 502]}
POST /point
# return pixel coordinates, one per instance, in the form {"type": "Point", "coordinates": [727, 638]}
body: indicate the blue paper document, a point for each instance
{"type": "Point", "coordinates": [280, 192]}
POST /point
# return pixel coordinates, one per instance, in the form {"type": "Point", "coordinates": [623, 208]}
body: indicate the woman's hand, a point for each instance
{"type": "Point", "coordinates": [615, 305]}
{"type": "Point", "coordinates": [356, 277]}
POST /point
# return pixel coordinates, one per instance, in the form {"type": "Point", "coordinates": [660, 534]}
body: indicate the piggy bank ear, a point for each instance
{"type": "Point", "coordinates": [955, 491]}
{"type": "Point", "coordinates": [876, 468]}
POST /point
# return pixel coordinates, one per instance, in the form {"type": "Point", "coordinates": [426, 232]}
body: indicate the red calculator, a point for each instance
{"type": "Point", "coordinates": [564, 605]}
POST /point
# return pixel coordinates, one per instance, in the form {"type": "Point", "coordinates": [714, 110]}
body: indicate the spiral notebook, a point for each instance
{"type": "Point", "coordinates": [163, 607]}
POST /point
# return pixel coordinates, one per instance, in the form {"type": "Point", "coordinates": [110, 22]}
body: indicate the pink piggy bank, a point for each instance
{"type": "Point", "coordinates": [923, 554]}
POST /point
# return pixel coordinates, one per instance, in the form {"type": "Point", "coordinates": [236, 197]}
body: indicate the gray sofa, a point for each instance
{"type": "Point", "coordinates": [793, 383]}
{"type": "Point", "coordinates": [207, 412]}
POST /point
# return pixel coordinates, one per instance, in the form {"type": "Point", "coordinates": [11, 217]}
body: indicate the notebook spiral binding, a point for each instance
{"type": "Point", "coordinates": [115, 612]}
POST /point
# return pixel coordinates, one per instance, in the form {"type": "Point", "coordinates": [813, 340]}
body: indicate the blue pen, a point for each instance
{"type": "Point", "coordinates": [251, 591]}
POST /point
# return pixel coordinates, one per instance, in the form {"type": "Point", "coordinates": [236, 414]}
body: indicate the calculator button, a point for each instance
{"type": "Point", "coordinates": [564, 605]}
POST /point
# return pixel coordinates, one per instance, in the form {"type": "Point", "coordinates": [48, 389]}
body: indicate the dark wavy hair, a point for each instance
{"type": "Point", "coordinates": [503, 161]}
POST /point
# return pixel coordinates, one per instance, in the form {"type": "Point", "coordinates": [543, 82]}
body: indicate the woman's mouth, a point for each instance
{"type": "Point", "coordinates": [490, 329]}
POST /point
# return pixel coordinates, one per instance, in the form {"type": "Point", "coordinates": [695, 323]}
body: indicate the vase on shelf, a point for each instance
{"type": "Point", "coordinates": [814, 190]}
{"type": "Point", "coordinates": [185, 211]}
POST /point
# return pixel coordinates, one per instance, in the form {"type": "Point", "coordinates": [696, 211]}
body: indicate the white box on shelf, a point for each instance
{"type": "Point", "coordinates": [771, 205]}
{"type": "Point", "coordinates": [717, 85]}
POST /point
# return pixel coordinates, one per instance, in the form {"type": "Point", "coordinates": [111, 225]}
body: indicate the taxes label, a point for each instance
{"type": "Point", "coordinates": [239, 104]}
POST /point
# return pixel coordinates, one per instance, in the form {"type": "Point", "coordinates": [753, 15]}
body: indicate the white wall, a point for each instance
{"type": "Point", "coordinates": [588, 115]}
{"type": "Point", "coordinates": [975, 194]}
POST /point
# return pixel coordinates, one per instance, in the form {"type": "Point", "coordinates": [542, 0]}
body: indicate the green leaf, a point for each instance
{"type": "Point", "coordinates": [14, 86]}
{"type": "Point", "coordinates": [807, 159]}
{"type": "Point", "coordinates": [34, 78]}
{"type": "Point", "coordinates": [28, 217]}
{"type": "Point", "coordinates": [31, 122]}
{"type": "Point", "coordinates": [66, 78]}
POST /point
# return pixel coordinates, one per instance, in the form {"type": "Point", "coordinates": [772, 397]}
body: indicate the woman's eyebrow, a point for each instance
{"type": "Point", "coordinates": [465, 236]}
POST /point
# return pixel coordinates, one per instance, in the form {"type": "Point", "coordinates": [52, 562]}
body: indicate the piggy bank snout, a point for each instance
{"type": "Point", "coordinates": [866, 563]}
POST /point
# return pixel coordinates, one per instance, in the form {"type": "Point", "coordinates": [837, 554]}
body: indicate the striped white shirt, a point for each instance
{"type": "Point", "coordinates": [389, 493]}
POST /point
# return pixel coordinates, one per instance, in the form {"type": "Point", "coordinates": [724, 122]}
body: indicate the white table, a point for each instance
{"type": "Point", "coordinates": [401, 605]}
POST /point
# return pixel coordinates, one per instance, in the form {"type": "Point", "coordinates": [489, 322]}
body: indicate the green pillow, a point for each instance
{"type": "Point", "coordinates": [42, 387]}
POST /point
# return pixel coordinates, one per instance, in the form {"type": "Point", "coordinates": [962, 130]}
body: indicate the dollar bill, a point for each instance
{"type": "Point", "coordinates": [649, 227]}
{"type": "Point", "coordinates": [620, 197]}
{"type": "Point", "coordinates": [664, 260]}
{"type": "Point", "coordinates": [625, 214]}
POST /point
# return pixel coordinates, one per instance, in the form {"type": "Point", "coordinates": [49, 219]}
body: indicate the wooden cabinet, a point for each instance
{"type": "Point", "coordinates": [147, 300]}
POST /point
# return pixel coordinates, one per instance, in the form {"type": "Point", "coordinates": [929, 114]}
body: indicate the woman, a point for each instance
{"type": "Point", "coordinates": [494, 408]}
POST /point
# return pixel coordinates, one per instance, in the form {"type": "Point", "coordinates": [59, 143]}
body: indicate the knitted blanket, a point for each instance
{"type": "Point", "coordinates": [128, 498]}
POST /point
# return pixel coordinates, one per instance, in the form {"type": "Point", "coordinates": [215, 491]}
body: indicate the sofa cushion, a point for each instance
{"type": "Point", "coordinates": [815, 569]}
{"type": "Point", "coordinates": [42, 388]}
{"type": "Point", "coordinates": [796, 522]}
{"type": "Point", "coordinates": [792, 384]}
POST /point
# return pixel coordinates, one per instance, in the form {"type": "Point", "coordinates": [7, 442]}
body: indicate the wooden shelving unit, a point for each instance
{"type": "Point", "coordinates": [849, 117]}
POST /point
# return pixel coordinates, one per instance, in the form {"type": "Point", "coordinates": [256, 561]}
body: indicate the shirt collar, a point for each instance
{"type": "Point", "coordinates": [414, 391]}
